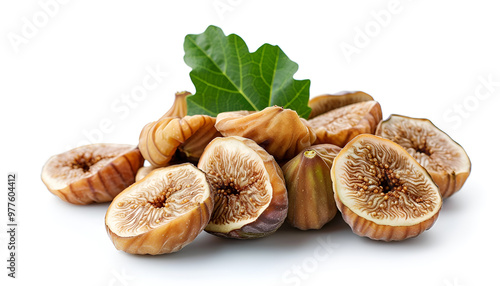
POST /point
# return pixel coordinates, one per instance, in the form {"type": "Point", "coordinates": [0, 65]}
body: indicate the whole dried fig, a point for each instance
{"type": "Point", "coordinates": [280, 131]}
{"type": "Point", "coordinates": [161, 213]}
{"type": "Point", "coordinates": [250, 193]}
{"type": "Point", "coordinates": [382, 192]}
{"type": "Point", "coordinates": [340, 125]}
{"type": "Point", "coordinates": [159, 141]}
{"type": "Point", "coordinates": [444, 159]}
{"type": "Point", "coordinates": [93, 173]}
{"type": "Point", "coordinates": [309, 186]}
{"type": "Point", "coordinates": [324, 103]}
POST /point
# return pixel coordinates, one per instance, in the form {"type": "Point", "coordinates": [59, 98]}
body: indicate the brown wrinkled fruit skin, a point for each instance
{"type": "Point", "coordinates": [275, 214]}
{"type": "Point", "coordinates": [159, 141]}
{"type": "Point", "coordinates": [103, 186]}
{"type": "Point", "coordinates": [367, 125]}
{"type": "Point", "coordinates": [449, 182]}
{"type": "Point", "coordinates": [179, 108]}
{"type": "Point", "coordinates": [366, 228]}
{"type": "Point", "coordinates": [168, 238]}
{"type": "Point", "coordinates": [309, 185]}
{"type": "Point", "coordinates": [324, 103]}
{"type": "Point", "coordinates": [280, 131]}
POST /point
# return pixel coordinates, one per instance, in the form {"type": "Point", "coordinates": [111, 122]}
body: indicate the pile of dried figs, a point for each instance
{"type": "Point", "coordinates": [243, 173]}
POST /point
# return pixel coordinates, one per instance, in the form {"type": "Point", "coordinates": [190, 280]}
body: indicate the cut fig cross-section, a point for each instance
{"type": "Point", "coordinates": [382, 192]}
{"type": "Point", "coordinates": [250, 193]}
{"type": "Point", "coordinates": [443, 158]}
{"type": "Point", "coordinates": [340, 125]}
{"type": "Point", "coordinates": [161, 213]}
{"type": "Point", "coordinates": [93, 173]}
{"type": "Point", "coordinates": [327, 102]}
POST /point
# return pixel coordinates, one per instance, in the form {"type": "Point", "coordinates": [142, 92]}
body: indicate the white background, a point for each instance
{"type": "Point", "coordinates": [60, 81]}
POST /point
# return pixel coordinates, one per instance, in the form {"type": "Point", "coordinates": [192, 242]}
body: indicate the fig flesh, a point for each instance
{"type": "Point", "coordinates": [444, 159]}
{"type": "Point", "coordinates": [93, 173]}
{"type": "Point", "coordinates": [340, 125]}
{"type": "Point", "coordinates": [278, 130]}
{"type": "Point", "coordinates": [250, 193]}
{"type": "Point", "coordinates": [309, 186]}
{"type": "Point", "coordinates": [161, 213]}
{"type": "Point", "coordinates": [382, 192]}
{"type": "Point", "coordinates": [326, 102]}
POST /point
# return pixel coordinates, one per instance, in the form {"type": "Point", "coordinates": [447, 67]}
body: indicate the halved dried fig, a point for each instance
{"type": "Point", "coordinates": [324, 103]}
{"type": "Point", "coordinates": [340, 125]}
{"type": "Point", "coordinates": [159, 141]}
{"type": "Point", "coordinates": [278, 130]}
{"type": "Point", "coordinates": [161, 213]}
{"type": "Point", "coordinates": [250, 194]}
{"type": "Point", "coordinates": [93, 173]}
{"type": "Point", "coordinates": [443, 158]}
{"type": "Point", "coordinates": [179, 108]}
{"type": "Point", "coordinates": [309, 186]}
{"type": "Point", "coordinates": [382, 192]}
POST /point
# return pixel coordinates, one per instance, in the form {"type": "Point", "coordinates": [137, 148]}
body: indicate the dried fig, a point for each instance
{"type": "Point", "coordinates": [161, 213]}
{"type": "Point", "coordinates": [382, 192]}
{"type": "Point", "coordinates": [159, 141]}
{"type": "Point", "coordinates": [93, 173]}
{"type": "Point", "coordinates": [179, 108]}
{"type": "Point", "coordinates": [324, 103]}
{"type": "Point", "coordinates": [143, 172]}
{"type": "Point", "coordinates": [280, 131]}
{"type": "Point", "coordinates": [309, 186]}
{"type": "Point", "coordinates": [443, 158]}
{"type": "Point", "coordinates": [250, 193]}
{"type": "Point", "coordinates": [340, 125]}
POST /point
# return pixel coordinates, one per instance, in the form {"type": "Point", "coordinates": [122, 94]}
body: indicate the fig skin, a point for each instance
{"type": "Point", "coordinates": [143, 172]}
{"type": "Point", "coordinates": [367, 228]}
{"type": "Point", "coordinates": [326, 102]}
{"type": "Point", "coordinates": [392, 230]}
{"type": "Point", "coordinates": [309, 185]}
{"type": "Point", "coordinates": [449, 181]}
{"type": "Point", "coordinates": [96, 186]}
{"type": "Point", "coordinates": [160, 140]}
{"type": "Point", "coordinates": [281, 132]}
{"type": "Point", "coordinates": [170, 237]}
{"type": "Point", "coordinates": [275, 213]}
{"type": "Point", "coordinates": [179, 108]}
